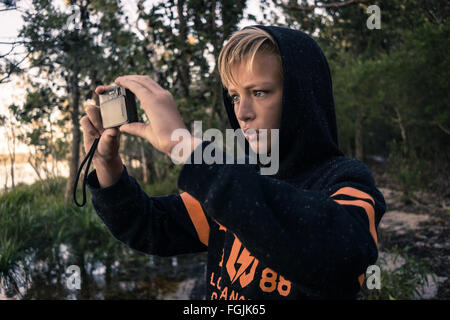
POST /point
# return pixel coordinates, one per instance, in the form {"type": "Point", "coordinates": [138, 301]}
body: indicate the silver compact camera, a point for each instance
{"type": "Point", "coordinates": [117, 107]}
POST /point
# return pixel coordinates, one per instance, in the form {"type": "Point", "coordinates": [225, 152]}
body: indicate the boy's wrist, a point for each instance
{"type": "Point", "coordinates": [108, 172]}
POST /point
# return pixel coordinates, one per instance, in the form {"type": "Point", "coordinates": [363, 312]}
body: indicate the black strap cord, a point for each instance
{"type": "Point", "coordinates": [88, 158]}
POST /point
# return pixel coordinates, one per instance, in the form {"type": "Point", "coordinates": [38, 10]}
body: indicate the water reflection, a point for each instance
{"type": "Point", "coordinates": [130, 275]}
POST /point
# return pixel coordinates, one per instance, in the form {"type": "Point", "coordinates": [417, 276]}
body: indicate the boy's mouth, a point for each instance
{"type": "Point", "coordinates": [251, 134]}
{"type": "Point", "coordinates": [251, 137]}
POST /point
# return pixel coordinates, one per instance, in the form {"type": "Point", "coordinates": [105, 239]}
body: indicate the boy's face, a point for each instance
{"type": "Point", "coordinates": [258, 99]}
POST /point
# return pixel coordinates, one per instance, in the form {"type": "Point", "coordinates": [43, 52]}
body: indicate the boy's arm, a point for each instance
{"type": "Point", "coordinates": [322, 239]}
{"type": "Point", "coordinates": [164, 226]}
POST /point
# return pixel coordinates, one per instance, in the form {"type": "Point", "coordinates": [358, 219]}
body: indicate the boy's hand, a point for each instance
{"type": "Point", "coordinates": [106, 160]}
{"type": "Point", "coordinates": [159, 105]}
{"type": "Point", "coordinates": [108, 146]}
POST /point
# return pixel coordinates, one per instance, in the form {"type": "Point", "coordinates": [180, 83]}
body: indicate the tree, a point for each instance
{"type": "Point", "coordinates": [9, 63]}
{"type": "Point", "coordinates": [181, 41]}
{"type": "Point", "coordinates": [353, 51]}
{"type": "Point", "coordinates": [72, 58]}
{"type": "Point", "coordinates": [11, 137]}
{"type": "Point", "coordinates": [39, 132]}
{"type": "Point", "coordinates": [183, 48]}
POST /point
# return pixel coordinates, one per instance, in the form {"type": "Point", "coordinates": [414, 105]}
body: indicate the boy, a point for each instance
{"type": "Point", "coordinates": [307, 232]}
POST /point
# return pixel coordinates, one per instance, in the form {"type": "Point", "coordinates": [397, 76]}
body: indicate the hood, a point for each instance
{"type": "Point", "coordinates": [308, 131]}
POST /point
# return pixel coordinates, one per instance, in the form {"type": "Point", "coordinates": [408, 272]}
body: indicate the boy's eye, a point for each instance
{"type": "Point", "coordinates": [257, 93]}
{"type": "Point", "coordinates": [260, 93]}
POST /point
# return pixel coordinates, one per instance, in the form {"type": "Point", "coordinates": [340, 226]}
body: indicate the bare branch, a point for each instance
{"type": "Point", "coordinates": [8, 9]}
{"type": "Point", "coordinates": [440, 126]}
{"type": "Point", "coordinates": [14, 42]}
{"type": "Point", "coordinates": [13, 68]}
{"type": "Point", "coordinates": [6, 54]}
{"type": "Point", "coordinates": [326, 5]}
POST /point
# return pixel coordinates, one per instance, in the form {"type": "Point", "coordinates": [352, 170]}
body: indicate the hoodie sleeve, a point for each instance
{"type": "Point", "coordinates": [163, 225]}
{"type": "Point", "coordinates": [322, 239]}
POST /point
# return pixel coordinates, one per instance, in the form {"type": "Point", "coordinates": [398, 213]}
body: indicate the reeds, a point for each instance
{"type": "Point", "coordinates": [35, 219]}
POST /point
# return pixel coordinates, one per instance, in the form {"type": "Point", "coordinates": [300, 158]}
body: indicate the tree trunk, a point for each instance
{"type": "Point", "coordinates": [53, 148]}
{"type": "Point", "coordinates": [12, 173]}
{"type": "Point", "coordinates": [75, 113]}
{"type": "Point", "coordinates": [359, 133]}
{"type": "Point", "coordinates": [76, 138]}
{"type": "Point", "coordinates": [402, 128]}
{"type": "Point", "coordinates": [183, 63]}
{"type": "Point", "coordinates": [5, 162]}
{"type": "Point", "coordinates": [144, 164]}
{"type": "Point", "coordinates": [400, 124]}
{"type": "Point", "coordinates": [156, 167]}
{"type": "Point", "coordinates": [215, 81]}
{"type": "Point", "coordinates": [359, 145]}
{"type": "Point", "coordinates": [35, 165]}
{"type": "Point", "coordinates": [12, 152]}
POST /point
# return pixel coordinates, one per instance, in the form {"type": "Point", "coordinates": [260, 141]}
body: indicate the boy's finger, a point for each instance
{"type": "Point", "coordinates": [145, 81]}
{"type": "Point", "coordinates": [95, 117]}
{"type": "Point", "coordinates": [135, 129]}
{"type": "Point", "coordinates": [141, 92]}
{"type": "Point", "coordinates": [101, 89]}
{"type": "Point", "coordinates": [111, 132]}
{"type": "Point", "coordinates": [89, 129]}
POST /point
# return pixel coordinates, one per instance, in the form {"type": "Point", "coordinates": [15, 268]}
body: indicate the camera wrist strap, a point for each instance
{"type": "Point", "coordinates": [88, 158]}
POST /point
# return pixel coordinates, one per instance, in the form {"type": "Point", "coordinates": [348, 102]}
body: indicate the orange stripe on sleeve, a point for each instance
{"type": "Point", "coordinates": [349, 191]}
{"type": "Point", "coordinates": [197, 216]}
{"type": "Point", "coordinates": [369, 210]}
{"type": "Point", "coordinates": [361, 278]}
{"type": "Point", "coordinates": [367, 207]}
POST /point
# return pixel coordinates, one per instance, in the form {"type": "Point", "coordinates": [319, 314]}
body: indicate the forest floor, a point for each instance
{"type": "Point", "coordinates": [422, 226]}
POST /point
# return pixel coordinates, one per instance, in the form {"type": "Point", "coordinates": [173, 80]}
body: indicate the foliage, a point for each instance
{"type": "Point", "coordinates": [404, 282]}
{"type": "Point", "coordinates": [402, 97]}
{"type": "Point", "coordinates": [34, 225]}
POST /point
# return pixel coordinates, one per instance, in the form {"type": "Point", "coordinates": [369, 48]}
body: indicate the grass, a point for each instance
{"type": "Point", "coordinates": [402, 283]}
{"type": "Point", "coordinates": [10, 256]}
{"type": "Point", "coordinates": [35, 219]}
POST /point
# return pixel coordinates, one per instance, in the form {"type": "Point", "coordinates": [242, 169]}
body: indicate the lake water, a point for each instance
{"type": "Point", "coordinates": [24, 173]}
{"type": "Point", "coordinates": [135, 276]}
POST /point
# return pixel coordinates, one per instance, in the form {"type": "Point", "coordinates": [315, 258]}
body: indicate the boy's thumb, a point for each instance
{"type": "Point", "coordinates": [135, 129]}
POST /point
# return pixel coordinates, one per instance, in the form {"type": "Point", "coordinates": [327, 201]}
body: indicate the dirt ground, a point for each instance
{"type": "Point", "coordinates": [422, 225]}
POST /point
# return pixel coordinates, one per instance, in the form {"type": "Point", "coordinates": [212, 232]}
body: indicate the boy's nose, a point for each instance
{"type": "Point", "coordinates": [244, 110]}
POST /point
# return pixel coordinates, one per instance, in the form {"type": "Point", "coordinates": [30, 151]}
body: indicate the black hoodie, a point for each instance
{"type": "Point", "coordinates": [307, 232]}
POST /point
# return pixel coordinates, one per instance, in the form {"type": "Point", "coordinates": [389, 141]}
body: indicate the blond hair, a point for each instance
{"type": "Point", "coordinates": [243, 46]}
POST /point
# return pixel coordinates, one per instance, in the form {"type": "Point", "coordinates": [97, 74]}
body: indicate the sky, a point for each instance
{"type": "Point", "coordinates": [10, 24]}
